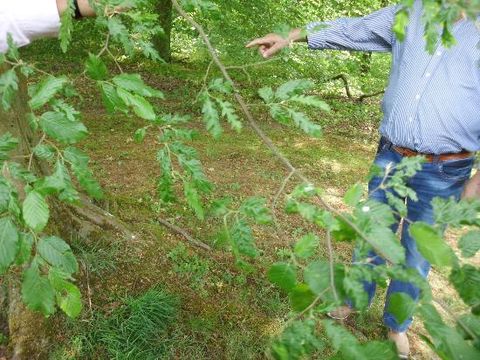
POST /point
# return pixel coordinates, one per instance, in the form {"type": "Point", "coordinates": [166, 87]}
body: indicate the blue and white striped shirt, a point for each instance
{"type": "Point", "coordinates": [432, 103]}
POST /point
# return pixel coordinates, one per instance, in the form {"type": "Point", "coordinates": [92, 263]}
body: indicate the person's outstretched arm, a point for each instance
{"type": "Point", "coordinates": [27, 20]}
{"type": "Point", "coordinates": [369, 33]}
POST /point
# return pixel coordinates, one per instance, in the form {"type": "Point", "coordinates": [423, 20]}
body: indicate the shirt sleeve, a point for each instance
{"type": "Point", "coordinates": [27, 20]}
{"type": "Point", "coordinates": [370, 33]}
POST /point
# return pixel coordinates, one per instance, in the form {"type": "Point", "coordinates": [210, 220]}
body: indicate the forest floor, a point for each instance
{"type": "Point", "coordinates": [223, 313]}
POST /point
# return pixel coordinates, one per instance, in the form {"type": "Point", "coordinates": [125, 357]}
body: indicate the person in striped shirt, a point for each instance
{"type": "Point", "coordinates": [431, 108]}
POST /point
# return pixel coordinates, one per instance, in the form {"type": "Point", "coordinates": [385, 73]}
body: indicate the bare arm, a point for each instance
{"type": "Point", "coordinates": [472, 189]}
{"type": "Point", "coordinates": [83, 6]}
{"type": "Point", "coordinates": [271, 44]}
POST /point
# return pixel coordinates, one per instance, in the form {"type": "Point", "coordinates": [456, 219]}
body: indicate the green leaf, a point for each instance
{"type": "Point", "coordinates": [401, 21]}
{"type": "Point", "coordinates": [7, 144]}
{"type": "Point", "coordinates": [243, 240]}
{"type": "Point", "coordinates": [310, 101]}
{"type": "Point", "coordinates": [354, 195]}
{"type": "Point", "coordinates": [470, 244]}
{"type": "Point", "coordinates": [66, 28]}
{"type": "Point", "coordinates": [54, 183]}
{"type": "Point", "coordinates": [305, 124]}
{"type": "Point", "coordinates": [228, 112]}
{"type": "Point", "coordinates": [386, 243]}
{"type": "Point", "coordinates": [140, 134]}
{"type": "Point", "coordinates": [59, 127]}
{"type": "Point", "coordinates": [139, 104]}
{"type": "Point", "coordinates": [267, 94]}
{"type": "Point", "coordinates": [37, 293]}
{"type": "Point", "coordinates": [467, 282]}
{"type": "Point", "coordinates": [211, 117]}
{"type": "Point", "coordinates": [291, 88]}
{"type": "Point", "coordinates": [282, 275]}
{"type": "Point", "coordinates": [8, 243]}
{"type": "Point", "coordinates": [110, 98]}
{"type": "Point", "coordinates": [35, 211]}
{"type": "Point", "coordinates": [57, 253]}
{"type": "Point", "coordinates": [256, 209]}
{"type": "Point", "coordinates": [447, 342]}
{"type": "Point", "coordinates": [431, 245]}
{"type": "Point", "coordinates": [96, 68]}
{"type": "Point", "coordinates": [68, 296]}
{"type": "Point", "coordinates": [8, 88]}
{"type": "Point", "coordinates": [301, 297]}
{"type": "Point", "coordinates": [46, 90]}
{"type": "Point", "coordinates": [44, 152]}
{"type": "Point", "coordinates": [343, 341]}
{"type": "Point", "coordinates": [134, 83]}
{"type": "Point", "coordinates": [317, 276]}
{"type": "Point", "coordinates": [193, 199]}
{"type": "Point", "coordinates": [298, 341]}
{"type": "Point", "coordinates": [307, 246]}
{"type": "Point", "coordinates": [24, 249]}
{"type": "Point", "coordinates": [79, 163]}
{"type": "Point", "coordinates": [401, 306]}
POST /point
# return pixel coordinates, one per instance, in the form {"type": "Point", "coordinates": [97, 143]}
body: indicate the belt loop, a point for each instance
{"type": "Point", "coordinates": [437, 159]}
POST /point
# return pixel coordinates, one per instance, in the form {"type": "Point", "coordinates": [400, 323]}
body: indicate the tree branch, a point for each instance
{"type": "Point", "coordinates": [186, 235]}
{"type": "Point", "coordinates": [348, 91]}
{"type": "Point", "coordinates": [260, 133]}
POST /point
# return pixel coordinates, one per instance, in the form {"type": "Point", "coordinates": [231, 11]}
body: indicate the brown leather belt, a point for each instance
{"type": "Point", "coordinates": [430, 158]}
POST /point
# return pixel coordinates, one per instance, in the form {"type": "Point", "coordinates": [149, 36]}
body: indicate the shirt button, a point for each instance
{"type": "Point", "coordinates": [439, 53]}
{"type": "Point", "coordinates": [410, 119]}
{"type": "Point", "coordinates": [428, 75]}
{"type": "Point", "coordinates": [418, 97]}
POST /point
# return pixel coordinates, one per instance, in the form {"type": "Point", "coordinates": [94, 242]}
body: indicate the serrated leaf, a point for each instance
{"type": "Point", "coordinates": [306, 246]}
{"type": "Point", "coordinates": [37, 293]}
{"type": "Point", "coordinates": [228, 112]}
{"type": "Point", "coordinates": [291, 88]}
{"type": "Point", "coordinates": [110, 98]}
{"type": "Point", "coordinates": [8, 88]}
{"type": "Point", "coordinates": [59, 127]}
{"type": "Point", "coordinates": [431, 245]}
{"type": "Point", "coordinates": [267, 94]}
{"type": "Point", "coordinates": [68, 296]}
{"type": "Point", "coordinates": [139, 104]}
{"type": "Point", "coordinates": [35, 211]}
{"type": "Point", "coordinates": [243, 240]}
{"type": "Point", "coordinates": [211, 117]}
{"type": "Point", "coordinates": [310, 101]}
{"type": "Point", "coordinates": [7, 144]}
{"type": "Point", "coordinates": [470, 244]}
{"type": "Point", "coordinates": [305, 124]}
{"type": "Point", "coordinates": [8, 243]}
{"type": "Point", "coordinates": [140, 134]}
{"type": "Point", "coordinates": [467, 282]}
{"type": "Point", "coordinates": [46, 90]}
{"type": "Point", "coordinates": [96, 68]}
{"type": "Point", "coordinates": [79, 163]}
{"type": "Point", "coordinates": [401, 306]}
{"type": "Point", "coordinates": [386, 243]}
{"type": "Point", "coordinates": [354, 195]}
{"type": "Point", "coordinates": [57, 253]}
{"type": "Point", "coordinates": [25, 245]}
{"type": "Point", "coordinates": [301, 297]}
{"type": "Point", "coordinates": [44, 152]}
{"type": "Point", "coordinates": [317, 276]}
{"type": "Point", "coordinates": [193, 199]}
{"type": "Point", "coordinates": [256, 209]}
{"type": "Point", "coordinates": [66, 28]}
{"type": "Point", "coordinates": [282, 275]}
{"type": "Point", "coordinates": [402, 19]}
{"type": "Point", "coordinates": [135, 84]}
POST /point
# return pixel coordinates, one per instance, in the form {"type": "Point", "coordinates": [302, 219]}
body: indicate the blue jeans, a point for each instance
{"type": "Point", "coordinates": [443, 179]}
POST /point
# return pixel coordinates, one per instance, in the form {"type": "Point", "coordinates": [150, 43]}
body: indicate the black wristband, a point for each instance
{"type": "Point", "coordinates": [78, 14]}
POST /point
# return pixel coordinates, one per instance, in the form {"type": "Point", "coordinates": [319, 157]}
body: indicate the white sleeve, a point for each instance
{"type": "Point", "coordinates": [27, 20]}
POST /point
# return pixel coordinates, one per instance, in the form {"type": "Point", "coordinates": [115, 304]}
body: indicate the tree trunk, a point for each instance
{"type": "Point", "coordinates": [27, 330]}
{"type": "Point", "coordinates": [163, 41]}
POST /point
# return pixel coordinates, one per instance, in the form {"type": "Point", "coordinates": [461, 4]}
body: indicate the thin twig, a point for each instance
{"type": "Point", "coordinates": [311, 306]}
{"type": "Point", "coordinates": [331, 264]}
{"type": "Point", "coordinates": [281, 190]}
{"type": "Point", "coordinates": [260, 133]}
{"type": "Point", "coordinates": [186, 235]}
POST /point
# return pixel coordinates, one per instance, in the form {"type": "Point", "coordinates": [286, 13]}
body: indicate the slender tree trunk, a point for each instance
{"type": "Point", "coordinates": [27, 330]}
{"type": "Point", "coordinates": [163, 42]}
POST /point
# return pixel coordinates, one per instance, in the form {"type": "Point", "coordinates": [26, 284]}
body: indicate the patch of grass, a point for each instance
{"type": "Point", "coordinates": [138, 329]}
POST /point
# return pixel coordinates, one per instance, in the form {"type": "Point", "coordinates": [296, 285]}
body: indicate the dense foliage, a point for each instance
{"type": "Point", "coordinates": [314, 285]}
